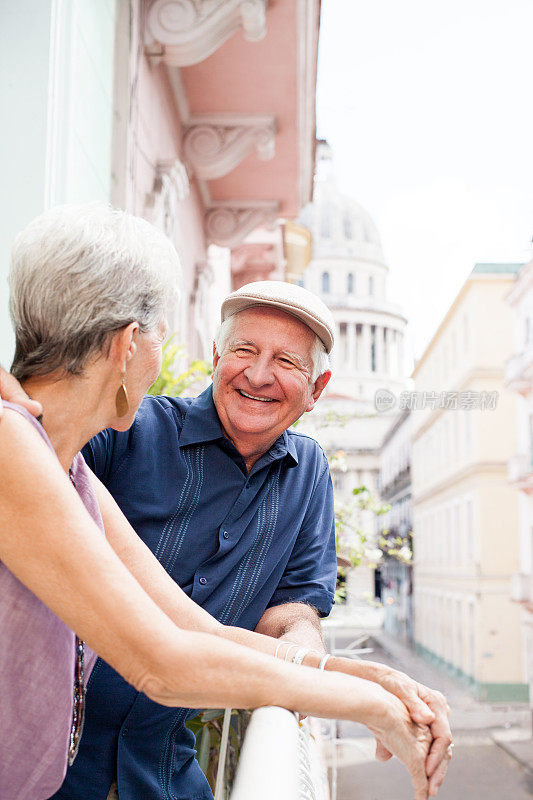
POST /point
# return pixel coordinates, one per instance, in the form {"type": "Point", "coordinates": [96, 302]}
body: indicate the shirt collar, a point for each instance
{"type": "Point", "coordinates": [202, 424]}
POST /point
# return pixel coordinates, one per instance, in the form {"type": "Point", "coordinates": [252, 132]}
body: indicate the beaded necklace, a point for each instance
{"type": "Point", "coordinates": [78, 710]}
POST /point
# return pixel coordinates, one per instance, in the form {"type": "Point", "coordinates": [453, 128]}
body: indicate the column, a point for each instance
{"type": "Point", "coordinates": [350, 347]}
{"type": "Point", "coordinates": [401, 368]}
{"type": "Point", "coordinates": [336, 354]}
{"type": "Point", "coordinates": [393, 352]}
{"type": "Point", "coordinates": [365, 348]}
{"type": "Point", "coordinates": [386, 350]}
{"type": "Point", "coordinates": [379, 350]}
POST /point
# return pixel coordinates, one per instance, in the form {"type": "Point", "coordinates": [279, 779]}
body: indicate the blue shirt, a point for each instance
{"type": "Point", "coordinates": [236, 542]}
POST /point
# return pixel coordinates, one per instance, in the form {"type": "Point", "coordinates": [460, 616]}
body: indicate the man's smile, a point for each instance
{"type": "Point", "coordinates": [254, 397]}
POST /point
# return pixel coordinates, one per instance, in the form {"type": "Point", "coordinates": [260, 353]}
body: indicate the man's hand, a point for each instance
{"type": "Point", "coordinates": [426, 707]}
{"type": "Point", "coordinates": [12, 391]}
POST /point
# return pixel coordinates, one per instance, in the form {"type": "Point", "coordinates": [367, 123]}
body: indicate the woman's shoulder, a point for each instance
{"type": "Point", "coordinates": [20, 411]}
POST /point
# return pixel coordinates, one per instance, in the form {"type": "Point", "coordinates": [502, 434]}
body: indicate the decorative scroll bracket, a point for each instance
{"type": "Point", "coordinates": [228, 226]}
{"type": "Point", "coordinates": [213, 147]}
{"type": "Point", "coordinates": [185, 32]}
{"type": "Point", "coordinates": [171, 185]}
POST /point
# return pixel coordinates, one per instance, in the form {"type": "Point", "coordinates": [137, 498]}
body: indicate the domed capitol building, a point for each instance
{"type": "Point", "coordinates": [348, 272]}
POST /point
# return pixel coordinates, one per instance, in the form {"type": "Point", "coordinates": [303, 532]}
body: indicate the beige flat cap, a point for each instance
{"type": "Point", "coordinates": [288, 297]}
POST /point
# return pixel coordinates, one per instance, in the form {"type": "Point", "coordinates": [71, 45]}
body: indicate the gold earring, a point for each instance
{"type": "Point", "coordinates": [121, 400]}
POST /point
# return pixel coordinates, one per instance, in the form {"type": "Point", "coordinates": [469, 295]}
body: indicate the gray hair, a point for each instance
{"type": "Point", "coordinates": [78, 274]}
{"type": "Point", "coordinates": [319, 357]}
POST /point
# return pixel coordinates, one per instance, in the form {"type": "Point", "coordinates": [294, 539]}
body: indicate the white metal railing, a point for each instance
{"type": "Point", "coordinates": [520, 470]}
{"type": "Point", "coordinates": [343, 625]}
{"type": "Point", "coordinates": [278, 760]}
{"type": "Point", "coordinates": [522, 587]}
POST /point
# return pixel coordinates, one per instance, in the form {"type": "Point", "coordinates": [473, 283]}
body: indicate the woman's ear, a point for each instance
{"type": "Point", "coordinates": [123, 344]}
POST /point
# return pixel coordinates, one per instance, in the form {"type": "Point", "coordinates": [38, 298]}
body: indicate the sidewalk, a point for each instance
{"type": "Point", "coordinates": [467, 712]}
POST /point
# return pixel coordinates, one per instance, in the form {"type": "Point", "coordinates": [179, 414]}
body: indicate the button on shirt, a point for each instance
{"type": "Point", "coordinates": [236, 543]}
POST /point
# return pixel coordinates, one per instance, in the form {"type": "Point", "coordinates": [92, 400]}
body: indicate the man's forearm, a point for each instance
{"type": "Point", "coordinates": [293, 622]}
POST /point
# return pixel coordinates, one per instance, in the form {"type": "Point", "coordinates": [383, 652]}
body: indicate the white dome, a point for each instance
{"type": "Point", "coordinates": [339, 225]}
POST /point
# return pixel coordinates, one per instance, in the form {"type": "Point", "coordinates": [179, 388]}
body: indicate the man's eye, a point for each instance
{"type": "Point", "coordinates": [243, 350]}
{"type": "Point", "coordinates": [287, 361]}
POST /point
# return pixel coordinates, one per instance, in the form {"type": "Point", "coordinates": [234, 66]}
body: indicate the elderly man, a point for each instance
{"type": "Point", "coordinates": [238, 508]}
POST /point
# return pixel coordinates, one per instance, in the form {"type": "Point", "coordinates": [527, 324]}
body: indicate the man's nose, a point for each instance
{"type": "Point", "coordinates": [260, 372]}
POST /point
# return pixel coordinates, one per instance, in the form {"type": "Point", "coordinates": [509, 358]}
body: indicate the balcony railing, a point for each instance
{"type": "Point", "coordinates": [519, 372]}
{"type": "Point", "coordinates": [520, 472]}
{"type": "Point", "coordinates": [279, 760]}
{"type": "Point", "coordinates": [522, 587]}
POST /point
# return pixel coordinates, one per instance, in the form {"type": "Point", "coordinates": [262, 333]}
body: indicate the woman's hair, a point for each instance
{"type": "Point", "coordinates": [319, 357]}
{"type": "Point", "coordinates": [79, 273]}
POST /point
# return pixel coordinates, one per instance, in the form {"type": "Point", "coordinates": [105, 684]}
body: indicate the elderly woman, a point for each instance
{"type": "Point", "coordinates": [88, 292]}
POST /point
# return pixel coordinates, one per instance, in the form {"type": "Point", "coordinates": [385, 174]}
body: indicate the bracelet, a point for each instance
{"type": "Point", "coordinates": [280, 644]}
{"type": "Point", "coordinates": [324, 661]}
{"type": "Point", "coordinates": [289, 650]}
{"type": "Point", "coordinates": [299, 655]}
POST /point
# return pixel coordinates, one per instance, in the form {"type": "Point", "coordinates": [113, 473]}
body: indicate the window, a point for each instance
{"type": "Point", "coordinates": [325, 224]}
{"type": "Point", "coordinates": [347, 225]}
{"type": "Point", "coordinates": [469, 532]}
{"type": "Point", "coordinates": [371, 285]}
{"type": "Point", "coordinates": [531, 440]}
{"type": "Point", "coordinates": [449, 537]}
{"type": "Point", "coordinates": [350, 283]}
{"type": "Point", "coordinates": [457, 534]}
{"type": "Point", "coordinates": [325, 283]}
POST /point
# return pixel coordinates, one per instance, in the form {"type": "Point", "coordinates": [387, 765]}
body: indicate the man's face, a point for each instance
{"type": "Point", "coordinates": [262, 382]}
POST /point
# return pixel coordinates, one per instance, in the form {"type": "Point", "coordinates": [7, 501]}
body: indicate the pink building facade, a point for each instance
{"type": "Point", "coordinates": [219, 145]}
{"type": "Point", "coordinates": [199, 116]}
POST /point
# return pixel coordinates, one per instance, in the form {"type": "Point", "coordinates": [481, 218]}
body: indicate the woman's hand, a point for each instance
{"type": "Point", "coordinates": [397, 734]}
{"type": "Point", "coordinates": [426, 707]}
{"type": "Point", "coordinates": [12, 391]}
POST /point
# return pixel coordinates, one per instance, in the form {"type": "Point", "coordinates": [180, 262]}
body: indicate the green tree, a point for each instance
{"type": "Point", "coordinates": [172, 381]}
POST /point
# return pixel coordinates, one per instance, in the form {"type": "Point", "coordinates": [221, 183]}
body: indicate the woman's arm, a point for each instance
{"type": "Point", "coordinates": [48, 541]}
{"type": "Point", "coordinates": [187, 614]}
{"type": "Point", "coordinates": [425, 706]}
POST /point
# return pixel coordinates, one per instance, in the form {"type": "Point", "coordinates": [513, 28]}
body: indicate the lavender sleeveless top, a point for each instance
{"type": "Point", "coordinates": [37, 673]}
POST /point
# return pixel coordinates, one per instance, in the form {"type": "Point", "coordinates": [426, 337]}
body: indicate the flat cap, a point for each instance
{"type": "Point", "coordinates": [295, 300]}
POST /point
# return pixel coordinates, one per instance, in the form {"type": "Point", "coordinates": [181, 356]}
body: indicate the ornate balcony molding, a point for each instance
{"type": "Point", "coordinates": [185, 32]}
{"type": "Point", "coordinates": [213, 147]}
{"type": "Point", "coordinates": [171, 185]}
{"type": "Point", "coordinates": [228, 225]}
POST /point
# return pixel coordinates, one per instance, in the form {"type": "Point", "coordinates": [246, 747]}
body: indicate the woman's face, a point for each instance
{"type": "Point", "coordinates": [142, 369]}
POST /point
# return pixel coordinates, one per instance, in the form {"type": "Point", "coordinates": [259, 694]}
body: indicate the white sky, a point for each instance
{"type": "Point", "coordinates": [428, 107]}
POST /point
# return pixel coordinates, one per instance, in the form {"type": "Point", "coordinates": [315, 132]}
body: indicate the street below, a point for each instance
{"type": "Point", "coordinates": [482, 768]}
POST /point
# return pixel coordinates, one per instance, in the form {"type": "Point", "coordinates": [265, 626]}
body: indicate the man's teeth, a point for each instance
{"type": "Point", "coordinates": [251, 396]}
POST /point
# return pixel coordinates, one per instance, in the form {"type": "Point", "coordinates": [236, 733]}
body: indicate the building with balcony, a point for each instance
{"type": "Point", "coordinates": [395, 528]}
{"type": "Point", "coordinates": [348, 271]}
{"type": "Point", "coordinates": [519, 379]}
{"type": "Point", "coordinates": [174, 112]}
{"type": "Point", "coordinates": [465, 513]}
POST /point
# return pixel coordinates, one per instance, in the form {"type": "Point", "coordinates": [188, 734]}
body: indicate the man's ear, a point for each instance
{"type": "Point", "coordinates": [216, 357]}
{"type": "Point", "coordinates": [320, 384]}
{"type": "Point", "coordinates": [123, 344]}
